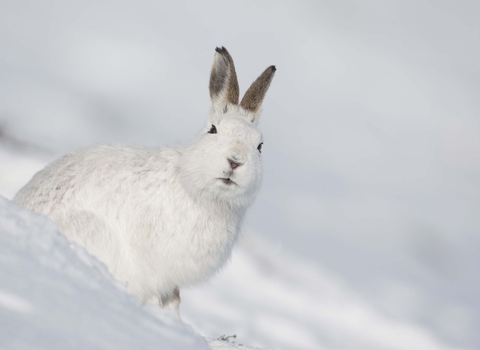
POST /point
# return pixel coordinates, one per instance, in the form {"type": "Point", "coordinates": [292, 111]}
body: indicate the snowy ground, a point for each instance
{"type": "Point", "coordinates": [366, 234]}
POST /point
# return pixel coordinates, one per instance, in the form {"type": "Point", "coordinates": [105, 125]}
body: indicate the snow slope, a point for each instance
{"type": "Point", "coordinates": [288, 302]}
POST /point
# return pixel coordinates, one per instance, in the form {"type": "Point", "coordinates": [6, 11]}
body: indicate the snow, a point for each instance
{"type": "Point", "coordinates": [366, 234]}
{"type": "Point", "coordinates": [289, 302]}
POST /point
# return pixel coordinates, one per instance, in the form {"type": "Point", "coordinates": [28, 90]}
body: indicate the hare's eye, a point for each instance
{"type": "Point", "coordinates": [213, 130]}
{"type": "Point", "coordinates": [260, 147]}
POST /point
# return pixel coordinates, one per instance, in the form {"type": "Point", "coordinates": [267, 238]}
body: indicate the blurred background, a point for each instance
{"type": "Point", "coordinates": [366, 232]}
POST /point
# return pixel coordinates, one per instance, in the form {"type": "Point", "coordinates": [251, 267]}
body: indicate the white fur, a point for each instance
{"type": "Point", "coordinates": [160, 219]}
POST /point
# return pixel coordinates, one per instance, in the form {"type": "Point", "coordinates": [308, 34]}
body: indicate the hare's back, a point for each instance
{"type": "Point", "coordinates": [89, 176]}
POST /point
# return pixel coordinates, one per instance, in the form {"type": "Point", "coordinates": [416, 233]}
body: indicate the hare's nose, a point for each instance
{"type": "Point", "coordinates": [233, 163]}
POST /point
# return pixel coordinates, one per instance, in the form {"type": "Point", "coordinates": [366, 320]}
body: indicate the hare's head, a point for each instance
{"type": "Point", "coordinates": [224, 161]}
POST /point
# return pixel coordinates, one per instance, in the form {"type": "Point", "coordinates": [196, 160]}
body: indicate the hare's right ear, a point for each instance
{"type": "Point", "coordinates": [224, 90]}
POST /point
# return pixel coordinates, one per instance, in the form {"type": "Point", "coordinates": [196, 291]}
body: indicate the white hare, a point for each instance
{"type": "Point", "coordinates": [162, 219]}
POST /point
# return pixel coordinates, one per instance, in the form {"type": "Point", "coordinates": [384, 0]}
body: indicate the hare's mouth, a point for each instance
{"type": "Point", "coordinates": [227, 181]}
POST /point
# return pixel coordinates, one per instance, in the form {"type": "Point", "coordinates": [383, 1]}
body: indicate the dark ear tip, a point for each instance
{"type": "Point", "coordinates": [273, 68]}
{"type": "Point", "coordinates": [221, 49]}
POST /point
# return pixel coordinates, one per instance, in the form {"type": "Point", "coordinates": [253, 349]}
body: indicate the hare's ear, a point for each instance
{"type": "Point", "coordinates": [223, 85]}
{"type": "Point", "coordinates": [253, 98]}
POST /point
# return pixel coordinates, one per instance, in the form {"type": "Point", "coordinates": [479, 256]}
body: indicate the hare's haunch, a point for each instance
{"type": "Point", "coordinates": [165, 218]}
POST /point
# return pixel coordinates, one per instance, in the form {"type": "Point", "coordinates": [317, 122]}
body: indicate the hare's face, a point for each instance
{"type": "Point", "coordinates": [225, 160]}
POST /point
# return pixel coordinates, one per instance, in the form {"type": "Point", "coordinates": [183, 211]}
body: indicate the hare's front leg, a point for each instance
{"type": "Point", "coordinates": [171, 302]}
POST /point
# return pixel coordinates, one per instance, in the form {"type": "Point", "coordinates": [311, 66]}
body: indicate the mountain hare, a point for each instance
{"type": "Point", "coordinates": [161, 219]}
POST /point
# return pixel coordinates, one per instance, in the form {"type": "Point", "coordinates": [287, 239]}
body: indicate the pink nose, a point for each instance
{"type": "Point", "coordinates": [233, 164]}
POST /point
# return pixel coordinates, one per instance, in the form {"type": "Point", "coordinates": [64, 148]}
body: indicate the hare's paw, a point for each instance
{"type": "Point", "coordinates": [171, 302]}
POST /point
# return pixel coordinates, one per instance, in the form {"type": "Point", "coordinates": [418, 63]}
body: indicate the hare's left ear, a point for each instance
{"type": "Point", "coordinates": [223, 86]}
{"type": "Point", "coordinates": [253, 98]}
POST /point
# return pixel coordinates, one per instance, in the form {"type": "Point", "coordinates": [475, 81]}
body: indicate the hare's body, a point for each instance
{"type": "Point", "coordinates": [142, 223]}
{"type": "Point", "coordinates": [160, 219]}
